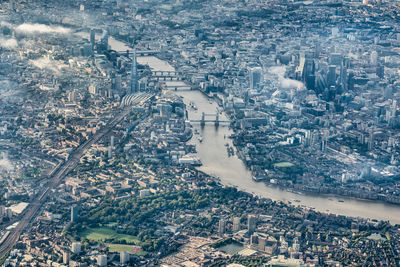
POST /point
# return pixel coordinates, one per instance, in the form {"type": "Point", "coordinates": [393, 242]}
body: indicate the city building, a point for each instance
{"type": "Point", "coordinates": [74, 213]}
{"type": "Point", "coordinates": [102, 260]}
{"type": "Point", "coordinates": [251, 224]}
{"type": "Point", "coordinates": [221, 227]}
{"type": "Point", "coordinates": [76, 247]}
{"type": "Point", "coordinates": [255, 77]}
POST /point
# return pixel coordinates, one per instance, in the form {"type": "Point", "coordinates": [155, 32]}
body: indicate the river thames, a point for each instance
{"type": "Point", "coordinates": [232, 172]}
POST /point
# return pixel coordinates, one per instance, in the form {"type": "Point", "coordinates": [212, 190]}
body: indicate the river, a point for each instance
{"type": "Point", "coordinates": [232, 172]}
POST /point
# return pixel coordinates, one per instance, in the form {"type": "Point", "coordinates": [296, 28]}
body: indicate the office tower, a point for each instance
{"type": "Point", "coordinates": [134, 77]}
{"type": "Point", "coordinates": [236, 224]}
{"type": "Point", "coordinates": [350, 81]}
{"type": "Point", "coordinates": [343, 74]}
{"type": "Point", "coordinates": [109, 152]}
{"type": "Point", "coordinates": [124, 257]}
{"type": "Point", "coordinates": [102, 260]}
{"type": "Point", "coordinates": [309, 73]}
{"type": "Point", "coordinates": [92, 40]}
{"type": "Point", "coordinates": [251, 224]}
{"type": "Point", "coordinates": [371, 139]}
{"type": "Point", "coordinates": [104, 41]}
{"type": "Point", "coordinates": [332, 75]}
{"type": "Point", "coordinates": [255, 77]}
{"type": "Point", "coordinates": [74, 213]}
{"type": "Point", "coordinates": [221, 227]}
{"type": "Point", "coordinates": [76, 247]}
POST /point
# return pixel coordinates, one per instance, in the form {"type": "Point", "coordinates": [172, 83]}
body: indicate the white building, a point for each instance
{"type": "Point", "coordinates": [102, 260]}
{"type": "Point", "coordinates": [124, 257]}
{"type": "Point", "coordinates": [76, 247]}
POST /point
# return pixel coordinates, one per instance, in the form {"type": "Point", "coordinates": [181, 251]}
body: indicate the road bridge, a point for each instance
{"type": "Point", "coordinates": [140, 52]}
{"type": "Point", "coordinates": [166, 76]}
{"type": "Point", "coordinates": [214, 118]}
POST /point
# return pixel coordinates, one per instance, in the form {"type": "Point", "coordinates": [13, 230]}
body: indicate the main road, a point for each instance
{"type": "Point", "coordinates": [59, 174]}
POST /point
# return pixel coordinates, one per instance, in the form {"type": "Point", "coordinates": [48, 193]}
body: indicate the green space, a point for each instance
{"type": "Point", "coordinates": [284, 164]}
{"type": "Point", "coordinates": [126, 248]}
{"type": "Point", "coordinates": [103, 234]}
{"type": "Point", "coordinates": [138, 218]}
{"type": "Point", "coordinates": [120, 248]}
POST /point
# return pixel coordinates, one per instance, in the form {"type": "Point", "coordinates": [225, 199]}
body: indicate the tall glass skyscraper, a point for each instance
{"type": "Point", "coordinates": [255, 76]}
{"type": "Point", "coordinates": [134, 77]}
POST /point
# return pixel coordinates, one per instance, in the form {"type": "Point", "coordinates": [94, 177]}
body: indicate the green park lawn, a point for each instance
{"type": "Point", "coordinates": [103, 233]}
{"type": "Point", "coordinates": [126, 248]}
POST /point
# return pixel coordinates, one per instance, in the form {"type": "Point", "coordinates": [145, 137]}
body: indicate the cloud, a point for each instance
{"type": "Point", "coordinates": [5, 163]}
{"type": "Point", "coordinates": [47, 63]}
{"type": "Point", "coordinates": [41, 29]}
{"type": "Point", "coordinates": [286, 83]}
{"type": "Point", "coordinates": [289, 83]}
{"type": "Point", "coordinates": [8, 43]}
{"type": "Point", "coordinates": [4, 23]}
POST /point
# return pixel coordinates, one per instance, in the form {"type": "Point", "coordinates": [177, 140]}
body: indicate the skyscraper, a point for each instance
{"type": "Point", "coordinates": [109, 151]}
{"type": "Point", "coordinates": [251, 224]}
{"type": "Point", "coordinates": [332, 75]}
{"type": "Point", "coordinates": [309, 73]}
{"type": "Point", "coordinates": [236, 224]}
{"type": "Point", "coordinates": [134, 77]}
{"type": "Point", "coordinates": [221, 227]}
{"type": "Point", "coordinates": [104, 41]}
{"type": "Point", "coordinates": [92, 39]}
{"type": "Point", "coordinates": [255, 77]}
{"type": "Point", "coordinates": [124, 257]}
{"type": "Point", "coordinates": [74, 213]}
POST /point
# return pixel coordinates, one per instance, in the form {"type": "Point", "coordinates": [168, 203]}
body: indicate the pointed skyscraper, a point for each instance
{"type": "Point", "coordinates": [134, 76]}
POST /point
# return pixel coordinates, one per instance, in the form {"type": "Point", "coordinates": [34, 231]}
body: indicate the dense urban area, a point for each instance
{"type": "Point", "coordinates": [99, 148]}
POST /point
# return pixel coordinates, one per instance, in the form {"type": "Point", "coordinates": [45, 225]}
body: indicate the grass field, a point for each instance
{"type": "Point", "coordinates": [120, 248]}
{"type": "Point", "coordinates": [127, 248]}
{"type": "Point", "coordinates": [283, 165]}
{"type": "Point", "coordinates": [103, 233]}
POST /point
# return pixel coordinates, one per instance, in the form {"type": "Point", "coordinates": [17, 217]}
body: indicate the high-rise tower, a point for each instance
{"type": "Point", "coordinates": [134, 77]}
{"type": "Point", "coordinates": [92, 40]}
{"type": "Point", "coordinates": [255, 77]}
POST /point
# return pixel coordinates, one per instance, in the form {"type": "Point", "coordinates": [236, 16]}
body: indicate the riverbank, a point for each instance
{"type": "Point", "coordinates": [232, 172]}
{"type": "Point", "coordinates": [329, 191]}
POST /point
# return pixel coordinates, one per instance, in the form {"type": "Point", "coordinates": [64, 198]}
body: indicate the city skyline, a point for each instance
{"type": "Point", "coordinates": [199, 133]}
